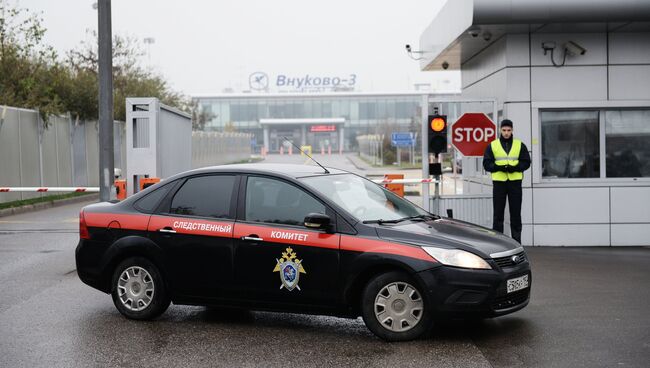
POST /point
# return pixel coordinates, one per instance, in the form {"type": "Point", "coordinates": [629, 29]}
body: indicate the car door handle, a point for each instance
{"type": "Point", "coordinates": [252, 238]}
{"type": "Point", "coordinates": [167, 230]}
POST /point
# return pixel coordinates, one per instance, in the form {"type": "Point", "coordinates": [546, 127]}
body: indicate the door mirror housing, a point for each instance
{"type": "Point", "coordinates": [317, 221]}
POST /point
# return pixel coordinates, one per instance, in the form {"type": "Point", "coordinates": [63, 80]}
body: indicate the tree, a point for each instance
{"type": "Point", "coordinates": [129, 78]}
{"type": "Point", "coordinates": [33, 76]}
{"type": "Point", "coordinates": [200, 116]}
{"type": "Point", "coordinates": [30, 73]}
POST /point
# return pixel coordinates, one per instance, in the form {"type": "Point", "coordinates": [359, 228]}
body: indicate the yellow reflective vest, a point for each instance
{"type": "Point", "coordinates": [501, 158]}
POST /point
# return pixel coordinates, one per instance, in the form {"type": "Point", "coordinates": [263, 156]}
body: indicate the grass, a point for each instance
{"type": "Point", "coordinates": [405, 164]}
{"type": "Point", "coordinates": [48, 198]}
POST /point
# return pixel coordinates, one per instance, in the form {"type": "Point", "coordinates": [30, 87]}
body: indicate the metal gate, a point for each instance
{"type": "Point", "coordinates": [475, 204]}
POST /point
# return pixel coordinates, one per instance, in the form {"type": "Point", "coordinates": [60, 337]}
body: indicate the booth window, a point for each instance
{"type": "Point", "coordinates": [627, 142]}
{"type": "Point", "coordinates": [571, 143]}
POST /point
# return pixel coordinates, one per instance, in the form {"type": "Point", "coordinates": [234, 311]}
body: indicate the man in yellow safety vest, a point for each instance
{"type": "Point", "coordinates": [507, 159]}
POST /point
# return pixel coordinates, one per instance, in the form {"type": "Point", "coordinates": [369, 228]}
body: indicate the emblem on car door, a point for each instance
{"type": "Point", "coordinates": [290, 268]}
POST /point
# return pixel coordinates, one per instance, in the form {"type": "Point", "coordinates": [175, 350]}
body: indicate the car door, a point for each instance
{"type": "Point", "coordinates": [277, 259]}
{"type": "Point", "coordinates": [194, 228]}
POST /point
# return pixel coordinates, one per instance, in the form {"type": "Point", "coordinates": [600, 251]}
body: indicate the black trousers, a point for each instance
{"type": "Point", "coordinates": [512, 191]}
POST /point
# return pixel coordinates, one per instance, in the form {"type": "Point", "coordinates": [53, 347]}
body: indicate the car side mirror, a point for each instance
{"type": "Point", "coordinates": [317, 221]}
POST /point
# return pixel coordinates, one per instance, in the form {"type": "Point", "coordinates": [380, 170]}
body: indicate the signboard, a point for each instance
{"type": "Point", "coordinates": [402, 139]}
{"type": "Point", "coordinates": [322, 128]}
{"type": "Point", "coordinates": [261, 81]}
{"type": "Point", "coordinates": [472, 133]}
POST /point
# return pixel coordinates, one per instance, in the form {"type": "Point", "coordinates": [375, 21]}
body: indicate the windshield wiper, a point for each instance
{"type": "Point", "coordinates": [417, 217]}
{"type": "Point", "coordinates": [422, 217]}
{"type": "Point", "coordinates": [381, 221]}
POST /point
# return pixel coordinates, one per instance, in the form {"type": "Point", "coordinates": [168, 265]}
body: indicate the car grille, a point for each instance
{"type": "Point", "coordinates": [508, 262]}
{"type": "Point", "coordinates": [510, 300]}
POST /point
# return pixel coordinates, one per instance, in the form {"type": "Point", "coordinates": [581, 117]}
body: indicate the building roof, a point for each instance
{"type": "Point", "coordinates": [464, 27]}
{"type": "Point", "coordinates": [320, 94]}
{"type": "Point", "coordinates": [302, 121]}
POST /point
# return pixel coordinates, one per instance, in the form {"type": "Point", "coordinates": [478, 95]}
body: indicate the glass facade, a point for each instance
{"type": "Point", "coordinates": [362, 114]}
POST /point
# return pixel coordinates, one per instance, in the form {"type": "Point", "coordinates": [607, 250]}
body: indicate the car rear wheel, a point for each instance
{"type": "Point", "coordinates": [394, 308]}
{"type": "Point", "coordinates": [138, 289]}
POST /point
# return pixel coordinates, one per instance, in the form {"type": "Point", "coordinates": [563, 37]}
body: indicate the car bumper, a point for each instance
{"type": "Point", "coordinates": [457, 291]}
{"type": "Point", "coordinates": [87, 258]}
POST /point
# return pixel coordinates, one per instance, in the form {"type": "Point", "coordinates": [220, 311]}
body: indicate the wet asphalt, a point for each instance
{"type": "Point", "coordinates": [589, 308]}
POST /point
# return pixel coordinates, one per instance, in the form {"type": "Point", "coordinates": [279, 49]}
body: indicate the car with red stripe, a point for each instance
{"type": "Point", "coordinates": [297, 238]}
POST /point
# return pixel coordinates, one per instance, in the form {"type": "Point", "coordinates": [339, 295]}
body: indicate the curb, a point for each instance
{"type": "Point", "coordinates": [48, 204]}
{"type": "Point", "coordinates": [354, 163]}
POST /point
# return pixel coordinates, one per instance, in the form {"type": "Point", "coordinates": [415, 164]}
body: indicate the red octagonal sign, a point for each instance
{"type": "Point", "coordinates": [472, 133]}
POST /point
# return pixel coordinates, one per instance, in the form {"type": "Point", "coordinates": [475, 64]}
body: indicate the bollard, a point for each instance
{"type": "Point", "coordinates": [281, 150]}
{"type": "Point", "coordinates": [322, 150]}
{"type": "Point", "coordinates": [395, 188]}
{"type": "Point", "coordinates": [290, 150]}
{"type": "Point", "coordinates": [120, 189]}
{"type": "Point", "coordinates": [147, 182]}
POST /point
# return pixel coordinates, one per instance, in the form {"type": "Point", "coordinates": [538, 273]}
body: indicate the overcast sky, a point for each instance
{"type": "Point", "coordinates": [202, 47]}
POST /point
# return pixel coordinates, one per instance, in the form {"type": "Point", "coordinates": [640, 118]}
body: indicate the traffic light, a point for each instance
{"type": "Point", "coordinates": [437, 134]}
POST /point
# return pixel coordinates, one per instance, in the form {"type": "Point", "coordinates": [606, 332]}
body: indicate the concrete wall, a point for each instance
{"type": "Point", "coordinates": [614, 72]}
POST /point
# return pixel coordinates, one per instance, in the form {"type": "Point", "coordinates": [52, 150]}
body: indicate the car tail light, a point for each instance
{"type": "Point", "coordinates": [83, 229]}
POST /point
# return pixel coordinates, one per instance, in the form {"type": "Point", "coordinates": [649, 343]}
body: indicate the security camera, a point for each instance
{"type": "Point", "coordinates": [408, 48]}
{"type": "Point", "coordinates": [445, 65]}
{"type": "Point", "coordinates": [487, 35]}
{"type": "Point", "coordinates": [574, 49]}
{"type": "Point", "coordinates": [474, 32]}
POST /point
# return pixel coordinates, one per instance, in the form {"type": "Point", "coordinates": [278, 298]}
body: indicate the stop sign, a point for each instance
{"type": "Point", "coordinates": [472, 133]}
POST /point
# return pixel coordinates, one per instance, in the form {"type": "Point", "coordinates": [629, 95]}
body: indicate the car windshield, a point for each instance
{"type": "Point", "coordinates": [364, 199]}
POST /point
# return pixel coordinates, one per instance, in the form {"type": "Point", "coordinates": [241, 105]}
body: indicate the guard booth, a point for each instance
{"type": "Point", "coordinates": [158, 141]}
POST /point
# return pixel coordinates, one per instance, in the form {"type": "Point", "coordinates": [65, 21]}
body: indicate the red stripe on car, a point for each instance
{"type": "Point", "coordinates": [102, 220]}
{"type": "Point", "coordinates": [288, 236]}
{"type": "Point", "coordinates": [184, 225]}
{"type": "Point", "coordinates": [361, 244]}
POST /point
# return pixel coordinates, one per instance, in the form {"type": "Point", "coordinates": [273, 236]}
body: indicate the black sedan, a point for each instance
{"type": "Point", "coordinates": [297, 238]}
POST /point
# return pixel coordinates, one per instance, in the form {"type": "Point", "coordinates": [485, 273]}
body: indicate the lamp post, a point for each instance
{"type": "Point", "coordinates": [105, 55]}
{"type": "Point", "coordinates": [149, 41]}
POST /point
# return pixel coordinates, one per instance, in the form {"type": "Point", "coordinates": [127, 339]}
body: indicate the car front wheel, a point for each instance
{"type": "Point", "coordinates": [138, 290]}
{"type": "Point", "coordinates": [394, 308]}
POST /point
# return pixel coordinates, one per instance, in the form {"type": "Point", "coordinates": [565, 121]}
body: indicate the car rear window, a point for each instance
{"type": "Point", "coordinates": [205, 196]}
{"type": "Point", "coordinates": [149, 202]}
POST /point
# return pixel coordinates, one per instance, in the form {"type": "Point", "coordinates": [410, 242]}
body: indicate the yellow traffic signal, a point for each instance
{"type": "Point", "coordinates": [437, 134]}
{"type": "Point", "coordinates": [438, 124]}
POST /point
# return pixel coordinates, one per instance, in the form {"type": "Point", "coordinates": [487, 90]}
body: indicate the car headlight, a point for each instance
{"type": "Point", "coordinates": [457, 258]}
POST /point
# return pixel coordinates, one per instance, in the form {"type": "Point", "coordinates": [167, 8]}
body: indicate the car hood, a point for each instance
{"type": "Point", "coordinates": [448, 233]}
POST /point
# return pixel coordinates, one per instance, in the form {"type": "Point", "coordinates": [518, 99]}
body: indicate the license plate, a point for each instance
{"type": "Point", "coordinates": [517, 284]}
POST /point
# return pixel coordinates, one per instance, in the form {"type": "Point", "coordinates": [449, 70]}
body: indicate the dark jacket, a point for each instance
{"type": "Point", "coordinates": [524, 157]}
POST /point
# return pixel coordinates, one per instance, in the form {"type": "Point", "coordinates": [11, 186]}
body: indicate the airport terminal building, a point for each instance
{"type": "Point", "coordinates": [330, 119]}
{"type": "Point", "coordinates": [574, 77]}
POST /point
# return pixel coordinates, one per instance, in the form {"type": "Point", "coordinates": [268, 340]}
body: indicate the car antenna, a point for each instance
{"type": "Point", "coordinates": [299, 149]}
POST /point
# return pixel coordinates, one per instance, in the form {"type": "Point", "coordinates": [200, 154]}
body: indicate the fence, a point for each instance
{"type": "Point", "coordinates": [66, 154]}
{"type": "Point", "coordinates": [371, 148]}
{"type": "Point", "coordinates": [476, 208]}
{"type": "Point", "coordinates": [213, 148]}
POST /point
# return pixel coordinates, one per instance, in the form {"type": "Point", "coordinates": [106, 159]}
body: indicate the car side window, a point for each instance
{"type": "Point", "coordinates": [149, 202]}
{"type": "Point", "coordinates": [205, 196]}
{"type": "Point", "coordinates": [277, 202]}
